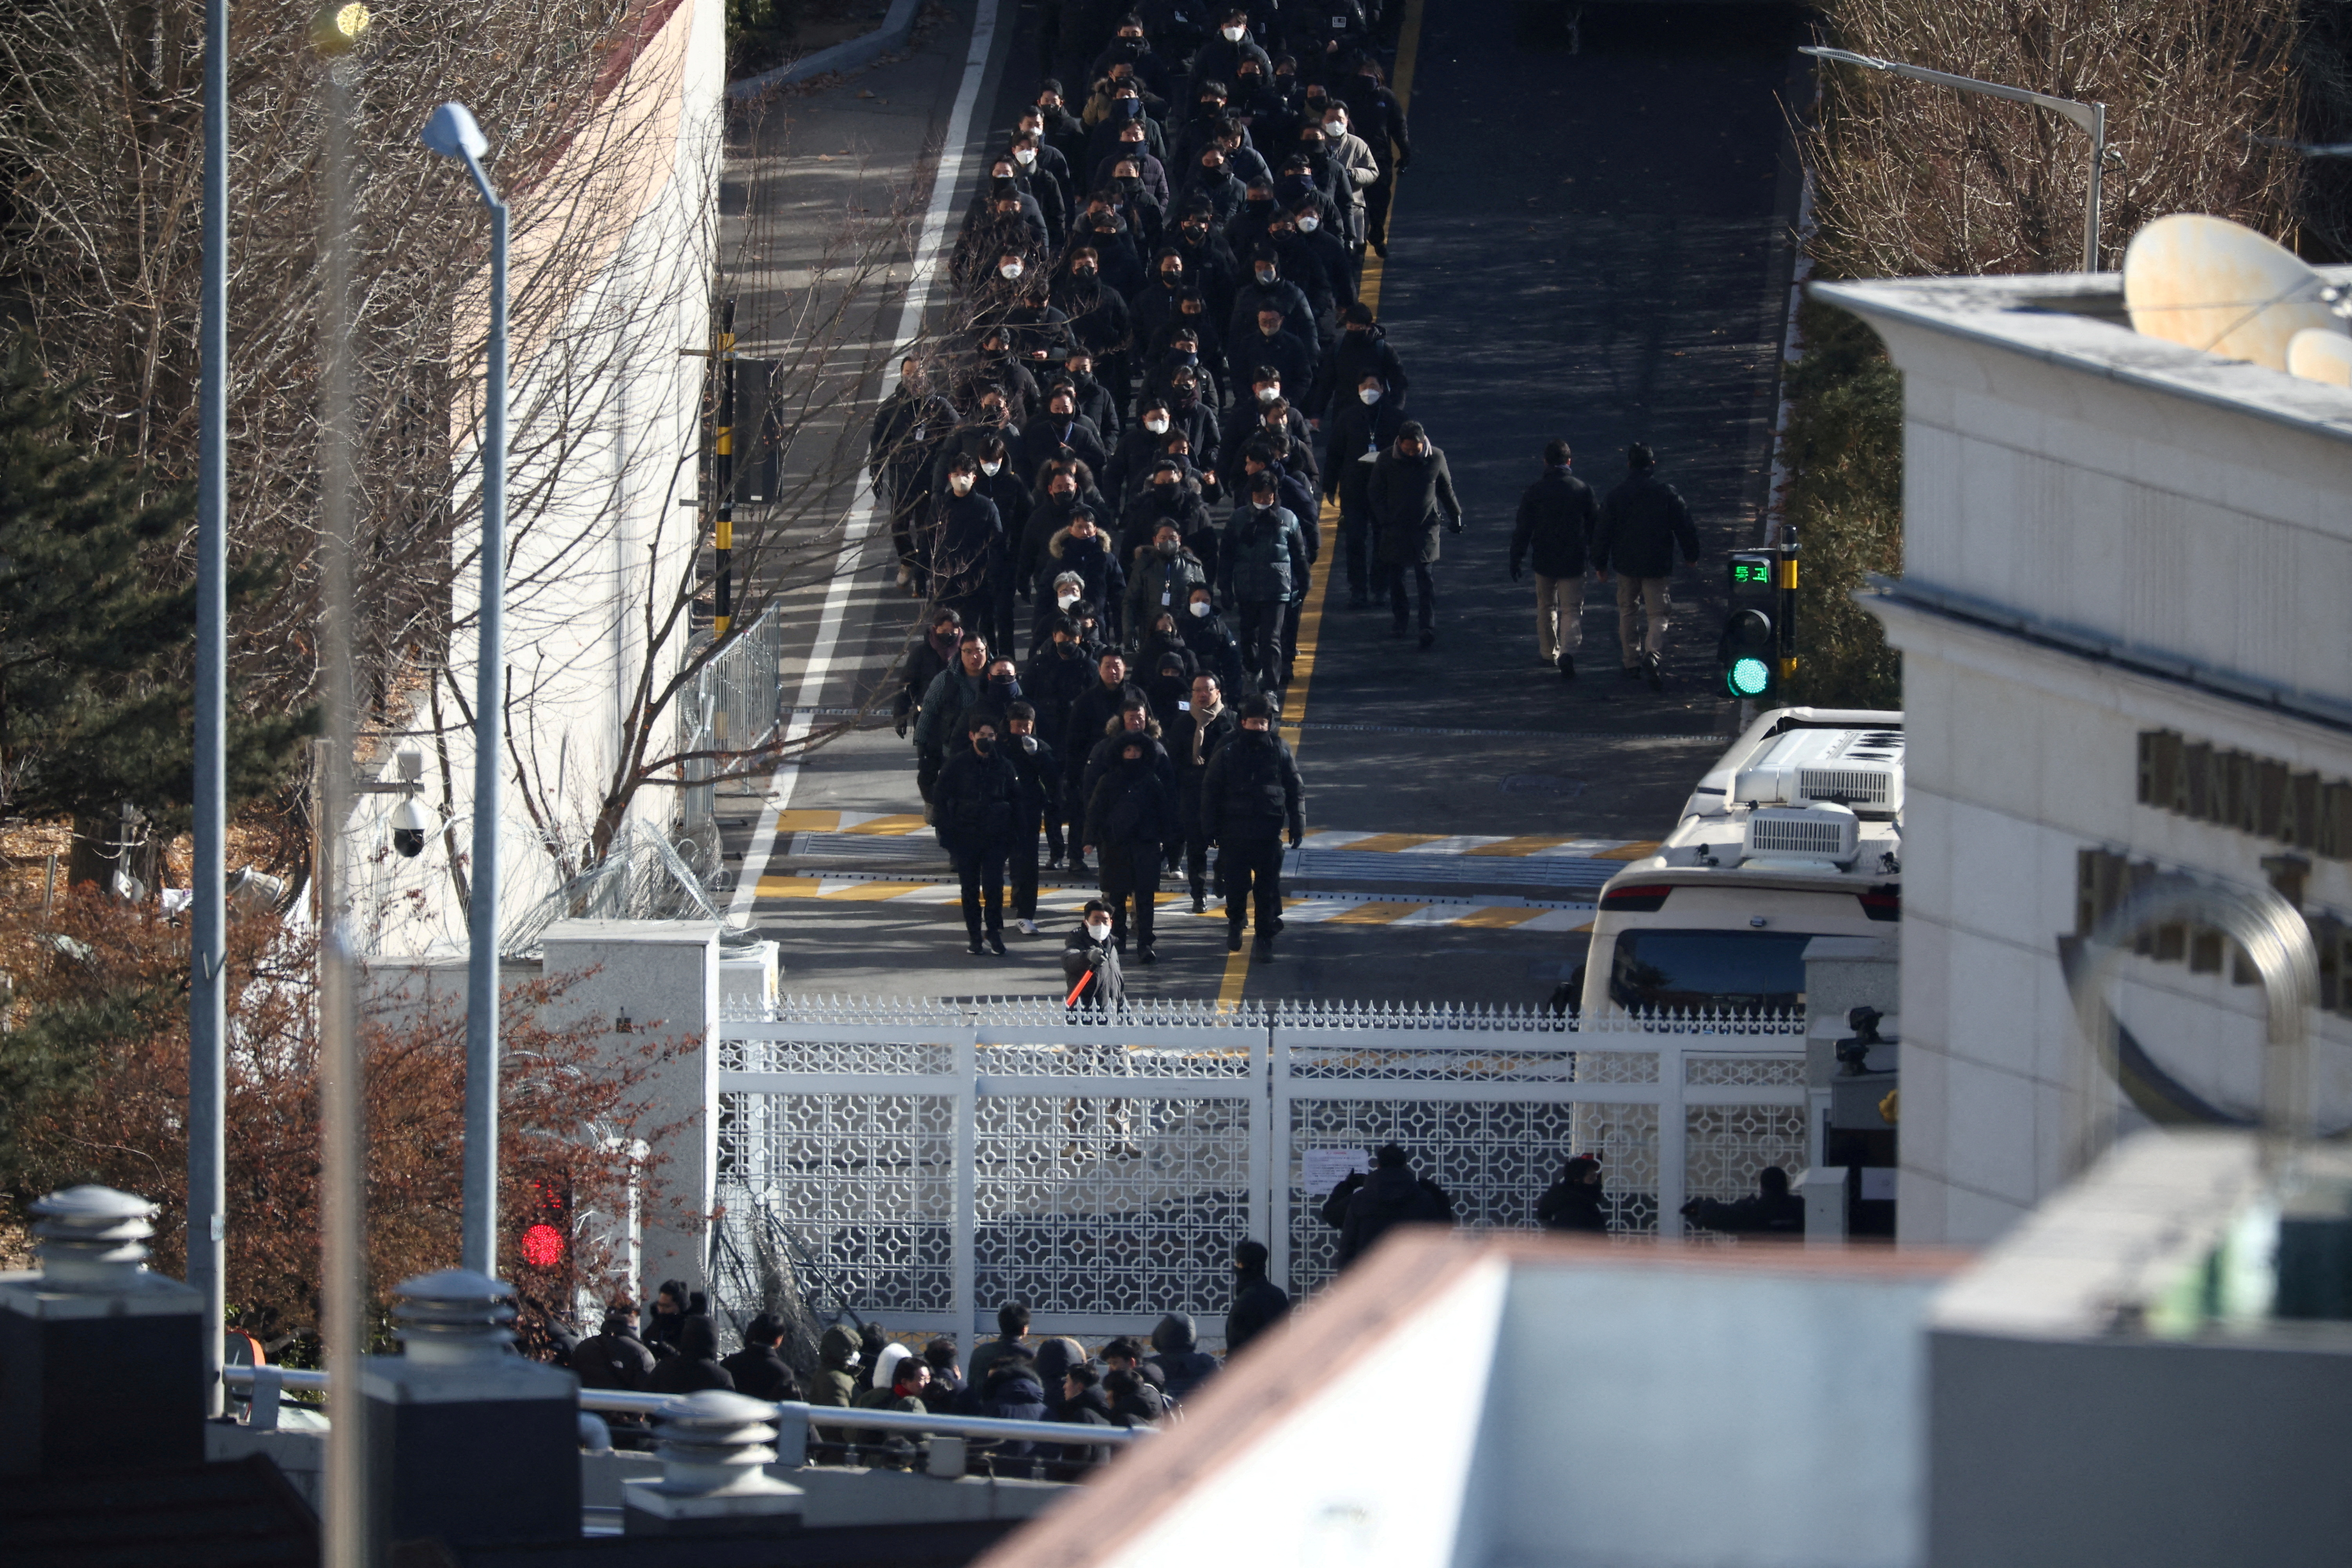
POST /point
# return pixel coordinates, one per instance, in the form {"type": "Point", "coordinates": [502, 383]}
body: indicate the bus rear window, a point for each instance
{"type": "Point", "coordinates": [1742, 969]}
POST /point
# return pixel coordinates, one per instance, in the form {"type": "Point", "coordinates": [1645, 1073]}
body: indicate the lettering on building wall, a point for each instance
{"type": "Point", "coordinates": [2251, 795]}
{"type": "Point", "coordinates": [2104, 880]}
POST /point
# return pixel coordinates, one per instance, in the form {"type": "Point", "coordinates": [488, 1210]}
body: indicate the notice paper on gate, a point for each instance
{"type": "Point", "coordinates": [1327, 1168]}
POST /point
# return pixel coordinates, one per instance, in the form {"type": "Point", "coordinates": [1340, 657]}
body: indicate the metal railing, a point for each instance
{"type": "Point", "coordinates": [268, 1381]}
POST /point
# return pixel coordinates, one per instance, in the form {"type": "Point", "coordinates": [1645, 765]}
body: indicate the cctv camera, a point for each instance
{"type": "Point", "coordinates": [410, 824]}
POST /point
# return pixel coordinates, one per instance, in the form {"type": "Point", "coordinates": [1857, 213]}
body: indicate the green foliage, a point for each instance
{"type": "Point", "coordinates": [95, 703]}
{"type": "Point", "coordinates": [1844, 451]}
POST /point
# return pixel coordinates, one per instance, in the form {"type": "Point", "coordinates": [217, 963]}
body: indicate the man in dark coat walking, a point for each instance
{"type": "Point", "coordinates": [977, 809]}
{"type": "Point", "coordinates": [1391, 1195]}
{"type": "Point", "coordinates": [1249, 796]}
{"type": "Point", "coordinates": [1556, 516]}
{"type": "Point", "coordinates": [758, 1369]}
{"type": "Point", "coordinates": [1642, 523]}
{"type": "Point", "coordinates": [614, 1359]}
{"type": "Point", "coordinates": [1131, 817]}
{"type": "Point", "coordinates": [1258, 1302]}
{"type": "Point", "coordinates": [1263, 566]}
{"type": "Point", "coordinates": [1573, 1202]}
{"type": "Point", "coordinates": [1408, 496]}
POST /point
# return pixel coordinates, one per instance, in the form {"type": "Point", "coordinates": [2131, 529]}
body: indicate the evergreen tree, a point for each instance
{"type": "Point", "coordinates": [96, 704]}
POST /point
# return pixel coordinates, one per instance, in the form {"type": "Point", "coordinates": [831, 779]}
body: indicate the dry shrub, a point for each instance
{"type": "Point", "coordinates": [93, 1087]}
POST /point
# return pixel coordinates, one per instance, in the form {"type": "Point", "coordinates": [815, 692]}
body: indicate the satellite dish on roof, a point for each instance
{"type": "Point", "coordinates": [2318, 354]}
{"type": "Point", "coordinates": [2219, 287]}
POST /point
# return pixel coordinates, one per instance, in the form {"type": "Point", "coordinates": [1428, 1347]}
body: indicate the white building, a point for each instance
{"type": "Point", "coordinates": [2126, 617]}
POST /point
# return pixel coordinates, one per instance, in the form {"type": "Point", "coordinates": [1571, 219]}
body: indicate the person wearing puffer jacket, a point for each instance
{"type": "Point", "coordinates": [836, 1380]}
{"type": "Point", "coordinates": [1176, 1351]}
{"type": "Point", "coordinates": [1082, 549]}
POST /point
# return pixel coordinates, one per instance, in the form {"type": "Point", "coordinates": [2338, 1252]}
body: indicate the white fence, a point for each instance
{"type": "Point", "coordinates": [930, 1161]}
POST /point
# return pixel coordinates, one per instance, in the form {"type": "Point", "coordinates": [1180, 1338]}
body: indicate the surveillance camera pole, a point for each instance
{"type": "Point", "coordinates": [2091, 117]}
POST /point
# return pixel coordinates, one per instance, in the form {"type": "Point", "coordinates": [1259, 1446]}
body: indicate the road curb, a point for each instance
{"type": "Point", "coordinates": [846, 56]}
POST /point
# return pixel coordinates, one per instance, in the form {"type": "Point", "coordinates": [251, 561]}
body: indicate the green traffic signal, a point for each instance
{"type": "Point", "coordinates": [1748, 678]}
{"type": "Point", "coordinates": [1745, 654]}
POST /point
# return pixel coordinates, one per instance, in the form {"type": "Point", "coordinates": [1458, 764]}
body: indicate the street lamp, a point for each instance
{"type": "Point", "coordinates": [451, 132]}
{"type": "Point", "coordinates": [2091, 117]}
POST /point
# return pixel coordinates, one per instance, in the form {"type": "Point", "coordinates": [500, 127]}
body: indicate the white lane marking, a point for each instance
{"type": "Point", "coordinates": [864, 514]}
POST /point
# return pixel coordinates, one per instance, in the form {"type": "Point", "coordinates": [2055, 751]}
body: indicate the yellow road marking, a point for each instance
{"type": "Point", "coordinates": [1380, 843]}
{"type": "Point", "coordinates": [1499, 918]}
{"type": "Point", "coordinates": [1374, 914]}
{"type": "Point", "coordinates": [890, 827]}
{"type": "Point", "coordinates": [1629, 851]}
{"type": "Point", "coordinates": [1517, 846]}
{"type": "Point", "coordinates": [807, 821]}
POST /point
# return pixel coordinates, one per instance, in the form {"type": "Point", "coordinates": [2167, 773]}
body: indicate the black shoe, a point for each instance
{"type": "Point", "coordinates": [1278, 923]}
{"type": "Point", "coordinates": [1632, 672]}
{"type": "Point", "coordinates": [1359, 601]}
{"type": "Point", "coordinates": [1054, 864]}
{"type": "Point", "coordinates": [1233, 939]}
{"type": "Point", "coordinates": [1146, 955]}
{"type": "Point", "coordinates": [1079, 868]}
{"type": "Point", "coordinates": [1200, 904]}
{"type": "Point", "coordinates": [1264, 950]}
{"type": "Point", "coordinates": [1651, 673]}
{"type": "Point", "coordinates": [976, 949]}
{"type": "Point", "coordinates": [996, 942]}
{"type": "Point", "coordinates": [1567, 667]}
{"type": "Point", "coordinates": [1399, 629]}
{"type": "Point", "coordinates": [1428, 640]}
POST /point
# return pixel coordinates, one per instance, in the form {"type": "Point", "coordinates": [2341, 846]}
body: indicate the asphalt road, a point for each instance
{"type": "Point", "coordinates": [1589, 243]}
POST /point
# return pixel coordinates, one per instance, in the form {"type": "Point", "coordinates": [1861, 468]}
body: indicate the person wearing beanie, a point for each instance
{"type": "Point", "coordinates": [1557, 517]}
{"type": "Point", "coordinates": [1258, 1302]}
{"type": "Point", "coordinates": [1250, 796]}
{"type": "Point", "coordinates": [1642, 523]}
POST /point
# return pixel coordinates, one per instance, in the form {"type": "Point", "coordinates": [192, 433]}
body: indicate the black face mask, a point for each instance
{"type": "Point", "coordinates": [983, 746]}
{"type": "Point", "coordinates": [1006, 687]}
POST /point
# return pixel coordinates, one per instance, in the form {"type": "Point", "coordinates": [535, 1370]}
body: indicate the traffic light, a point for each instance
{"type": "Point", "coordinates": [1748, 653]}
{"type": "Point", "coordinates": [545, 1241]}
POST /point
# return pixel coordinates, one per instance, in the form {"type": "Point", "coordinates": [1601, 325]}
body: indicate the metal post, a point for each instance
{"type": "Point", "coordinates": [478, 1251]}
{"type": "Point", "coordinates": [722, 477]}
{"type": "Point", "coordinates": [2098, 130]}
{"type": "Point", "coordinates": [208, 1013]}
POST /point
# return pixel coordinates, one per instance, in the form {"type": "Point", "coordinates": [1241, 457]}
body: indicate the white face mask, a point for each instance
{"type": "Point", "coordinates": [1065, 600]}
{"type": "Point", "coordinates": [1369, 395]}
{"type": "Point", "coordinates": [1232, 34]}
{"type": "Point", "coordinates": [1024, 156]}
{"type": "Point", "coordinates": [961, 484]}
{"type": "Point", "coordinates": [1009, 269]}
{"type": "Point", "coordinates": [1199, 607]}
{"type": "Point", "coordinates": [1268, 394]}
{"type": "Point", "coordinates": [1157, 426]}
{"type": "Point", "coordinates": [1098, 932]}
{"type": "Point", "coordinates": [989, 468]}
{"type": "Point", "coordinates": [1308, 223]}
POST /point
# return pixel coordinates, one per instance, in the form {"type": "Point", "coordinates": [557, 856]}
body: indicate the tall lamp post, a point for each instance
{"type": "Point", "coordinates": [207, 1011]}
{"type": "Point", "coordinates": [452, 133]}
{"type": "Point", "coordinates": [2091, 117]}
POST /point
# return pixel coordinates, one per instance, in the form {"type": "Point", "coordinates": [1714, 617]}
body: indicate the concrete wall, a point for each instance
{"type": "Point", "coordinates": [606, 419]}
{"type": "Point", "coordinates": [2103, 535]}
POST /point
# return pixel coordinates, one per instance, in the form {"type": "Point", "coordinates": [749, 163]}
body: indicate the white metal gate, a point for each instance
{"type": "Point", "coordinates": [930, 1161]}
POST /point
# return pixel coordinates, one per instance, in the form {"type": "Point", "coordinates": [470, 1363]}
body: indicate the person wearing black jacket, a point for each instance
{"type": "Point", "coordinates": [1362, 348]}
{"type": "Point", "coordinates": [1772, 1210]}
{"type": "Point", "coordinates": [1091, 713]}
{"type": "Point", "coordinates": [1362, 423]}
{"type": "Point", "coordinates": [1409, 495]}
{"type": "Point", "coordinates": [1193, 738]}
{"type": "Point", "coordinates": [1055, 678]}
{"type": "Point", "coordinates": [1250, 794]}
{"type": "Point", "coordinates": [966, 548]}
{"type": "Point", "coordinates": [1573, 1202]}
{"type": "Point", "coordinates": [1039, 804]}
{"type": "Point", "coordinates": [976, 806]}
{"type": "Point", "coordinates": [1215, 648]}
{"type": "Point", "coordinates": [1258, 1302]}
{"type": "Point", "coordinates": [1557, 517]}
{"type": "Point", "coordinates": [1642, 524]}
{"type": "Point", "coordinates": [907, 430]}
{"type": "Point", "coordinates": [1392, 1195]}
{"type": "Point", "coordinates": [696, 1366]}
{"type": "Point", "coordinates": [1131, 816]}
{"type": "Point", "coordinates": [1262, 567]}
{"type": "Point", "coordinates": [1376, 116]}
{"type": "Point", "coordinates": [614, 1359]}
{"type": "Point", "coordinates": [758, 1370]}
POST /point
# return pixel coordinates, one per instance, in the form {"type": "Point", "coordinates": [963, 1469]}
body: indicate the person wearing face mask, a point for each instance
{"type": "Point", "coordinates": [967, 549]}
{"type": "Point", "coordinates": [1069, 591]}
{"type": "Point", "coordinates": [1557, 517]}
{"type": "Point", "coordinates": [1359, 170]}
{"type": "Point", "coordinates": [1129, 468]}
{"type": "Point", "coordinates": [1201, 126]}
{"type": "Point", "coordinates": [1262, 565]}
{"type": "Point", "coordinates": [1062, 432]}
{"type": "Point", "coordinates": [1170, 500]}
{"type": "Point", "coordinates": [1081, 548]}
{"type": "Point", "coordinates": [1362, 348]}
{"type": "Point", "coordinates": [1135, 718]}
{"type": "Point", "coordinates": [1267, 288]}
{"type": "Point", "coordinates": [1409, 495]}
{"type": "Point", "coordinates": [1162, 574]}
{"type": "Point", "coordinates": [1043, 165]}
{"type": "Point", "coordinates": [1171, 690]}
{"type": "Point", "coordinates": [1184, 356]}
{"type": "Point", "coordinates": [1376, 116]}
{"type": "Point", "coordinates": [1207, 177]}
{"type": "Point", "coordinates": [1262, 391]}
{"type": "Point", "coordinates": [1095, 399]}
{"type": "Point", "coordinates": [925, 662]}
{"type": "Point", "coordinates": [1131, 818]}
{"type": "Point", "coordinates": [1361, 429]}
{"type": "Point", "coordinates": [1063, 486]}
{"type": "Point", "coordinates": [1222, 58]}
{"type": "Point", "coordinates": [1249, 795]}
{"type": "Point", "coordinates": [1246, 233]}
{"type": "Point", "coordinates": [1092, 714]}
{"type": "Point", "coordinates": [1035, 326]}
{"type": "Point", "coordinates": [1056, 676]}
{"type": "Point", "coordinates": [909, 429]}
{"type": "Point", "coordinates": [1131, 47]}
{"type": "Point", "coordinates": [1003, 177]}
{"type": "Point", "coordinates": [976, 809]}
{"type": "Point", "coordinates": [1000, 482]}
{"type": "Point", "coordinates": [951, 698]}
{"type": "Point", "coordinates": [992, 256]}
{"type": "Point", "coordinates": [1214, 647]}
{"type": "Point", "coordinates": [1062, 131]}
{"type": "Point", "coordinates": [1038, 805]}
{"type": "Point", "coordinates": [1090, 969]}
{"type": "Point", "coordinates": [1153, 306]}
{"type": "Point", "coordinates": [1310, 249]}
{"type": "Point", "coordinates": [1202, 724]}
{"type": "Point", "coordinates": [989, 422]}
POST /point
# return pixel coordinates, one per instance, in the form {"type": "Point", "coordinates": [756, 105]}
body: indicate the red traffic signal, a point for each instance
{"type": "Point", "coordinates": [542, 1246]}
{"type": "Point", "coordinates": [545, 1241]}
